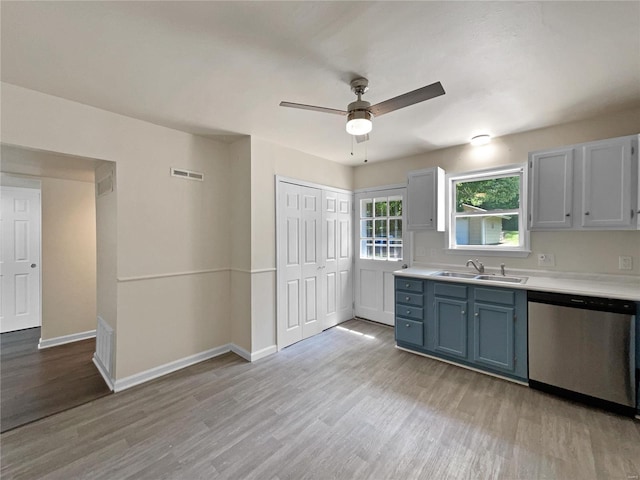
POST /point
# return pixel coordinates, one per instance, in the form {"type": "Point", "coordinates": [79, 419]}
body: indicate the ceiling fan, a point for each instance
{"type": "Point", "coordinates": [360, 113]}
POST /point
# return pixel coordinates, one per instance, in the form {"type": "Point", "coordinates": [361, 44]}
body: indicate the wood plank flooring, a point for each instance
{"type": "Point", "coordinates": [340, 405]}
{"type": "Point", "coordinates": [37, 383]}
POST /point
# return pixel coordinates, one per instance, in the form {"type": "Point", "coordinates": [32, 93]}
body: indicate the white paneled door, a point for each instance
{"type": "Point", "coordinates": [19, 259]}
{"type": "Point", "coordinates": [382, 247]}
{"type": "Point", "coordinates": [338, 258]}
{"type": "Point", "coordinates": [299, 263]}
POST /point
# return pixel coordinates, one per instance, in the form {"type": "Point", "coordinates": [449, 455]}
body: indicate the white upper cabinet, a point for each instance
{"type": "Point", "coordinates": [591, 186]}
{"type": "Point", "coordinates": [551, 189]}
{"type": "Point", "coordinates": [606, 184]}
{"type": "Point", "coordinates": [425, 200]}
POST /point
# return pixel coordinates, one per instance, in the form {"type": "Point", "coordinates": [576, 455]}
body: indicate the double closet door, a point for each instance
{"type": "Point", "coordinates": [315, 258]}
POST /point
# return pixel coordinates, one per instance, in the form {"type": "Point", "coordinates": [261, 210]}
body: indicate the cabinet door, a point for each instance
{"type": "Point", "coordinates": [493, 336]}
{"type": "Point", "coordinates": [550, 189]}
{"type": "Point", "coordinates": [425, 200]}
{"type": "Point", "coordinates": [450, 328]}
{"type": "Point", "coordinates": [606, 184]}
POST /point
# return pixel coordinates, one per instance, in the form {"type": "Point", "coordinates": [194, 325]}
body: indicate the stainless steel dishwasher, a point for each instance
{"type": "Point", "coordinates": [583, 348]}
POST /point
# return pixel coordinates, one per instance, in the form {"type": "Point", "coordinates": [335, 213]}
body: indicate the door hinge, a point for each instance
{"type": "Point", "coordinates": [515, 360]}
{"type": "Point", "coordinates": [530, 164]}
{"type": "Point", "coordinates": [633, 150]}
{"type": "Point", "coordinates": [515, 317]}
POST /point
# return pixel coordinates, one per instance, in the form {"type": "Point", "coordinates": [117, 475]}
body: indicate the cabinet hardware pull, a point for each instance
{"type": "Point", "coordinates": [476, 314]}
{"type": "Point", "coordinates": [568, 215]}
{"type": "Point", "coordinates": [407, 285]}
{"type": "Point", "coordinates": [406, 298]}
{"type": "Point", "coordinates": [462, 312]}
{"type": "Point", "coordinates": [586, 213]}
{"type": "Point", "coordinates": [408, 326]}
{"type": "Point", "coordinates": [408, 312]}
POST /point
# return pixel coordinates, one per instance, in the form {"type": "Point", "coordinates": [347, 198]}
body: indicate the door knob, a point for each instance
{"type": "Point", "coordinates": [33, 265]}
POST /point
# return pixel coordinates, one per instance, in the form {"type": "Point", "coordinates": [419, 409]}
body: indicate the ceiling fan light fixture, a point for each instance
{"type": "Point", "coordinates": [480, 139]}
{"type": "Point", "coordinates": [359, 122]}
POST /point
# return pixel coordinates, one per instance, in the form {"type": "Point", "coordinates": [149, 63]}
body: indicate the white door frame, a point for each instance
{"type": "Point", "coordinates": [279, 180]}
{"type": "Point", "coordinates": [14, 181]}
{"type": "Point", "coordinates": [378, 314]}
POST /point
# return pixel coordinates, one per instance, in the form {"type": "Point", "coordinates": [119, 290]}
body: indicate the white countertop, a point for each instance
{"type": "Point", "coordinates": [590, 285]}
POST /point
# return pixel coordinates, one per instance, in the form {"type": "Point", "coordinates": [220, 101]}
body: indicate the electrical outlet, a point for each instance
{"type": "Point", "coordinates": [546, 260]}
{"type": "Point", "coordinates": [625, 262]}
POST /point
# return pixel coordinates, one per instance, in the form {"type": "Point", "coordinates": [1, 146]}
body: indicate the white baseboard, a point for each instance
{"type": "Point", "coordinates": [241, 352]}
{"type": "Point", "coordinates": [153, 373]}
{"type": "Point", "coordinates": [252, 357]}
{"type": "Point", "coordinates": [265, 352]}
{"type": "Point", "coordinates": [103, 372]}
{"type": "Point", "coordinates": [74, 337]}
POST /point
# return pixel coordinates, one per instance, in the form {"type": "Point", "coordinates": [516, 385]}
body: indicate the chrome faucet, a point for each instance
{"type": "Point", "coordinates": [502, 270]}
{"type": "Point", "coordinates": [479, 266]}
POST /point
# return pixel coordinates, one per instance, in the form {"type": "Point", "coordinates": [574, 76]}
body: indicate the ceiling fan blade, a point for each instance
{"type": "Point", "coordinates": [407, 99]}
{"type": "Point", "coordinates": [362, 138]}
{"type": "Point", "coordinates": [313, 108]}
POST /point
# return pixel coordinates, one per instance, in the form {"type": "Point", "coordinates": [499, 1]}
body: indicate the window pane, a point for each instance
{"type": "Point", "coordinates": [366, 248]}
{"type": "Point", "coordinates": [366, 208]}
{"type": "Point", "coordinates": [381, 207]}
{"type": "Point", "coordinates": [381, 250]}
{"type": "Point", "coordinates": [381, 228]}
{"type": "Point", "coordinates": [395, 249]}
{"type": "Point", "coordinates": [488, 230]}
{"type": "Point", "coordinates": [395, 206]}
{"type": "Point", "coordinates": [366, 228]}
{"type": "Point", "coordinates": [488, 195]}
{"type": "Point", "coordinates": [395, 228]}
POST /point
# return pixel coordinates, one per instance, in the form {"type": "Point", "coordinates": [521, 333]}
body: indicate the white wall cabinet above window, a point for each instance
{"type": "Point", "coordinates": [425, 202]}
{"type": "Point", "coordinates": [591, 186]}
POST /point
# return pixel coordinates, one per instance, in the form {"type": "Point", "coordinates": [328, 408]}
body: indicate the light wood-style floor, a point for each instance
{"type": "Point", "coordinates": [339, 405]}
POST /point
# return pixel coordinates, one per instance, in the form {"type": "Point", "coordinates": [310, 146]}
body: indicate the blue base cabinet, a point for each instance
{"type": "Point", "coordinates": [473, 325]}
{"type": "Point", "coordinates": [409, 311]}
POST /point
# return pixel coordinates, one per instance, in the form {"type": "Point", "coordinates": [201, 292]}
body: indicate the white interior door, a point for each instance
{"type": "Point", "coordinates": [19, 259]}
{"type": "Point", "coordinates": [382, 248]}
{"type": "Point", "coordinates": [337, 251]}
{"type": "Point", "coordinates": [299, 263]}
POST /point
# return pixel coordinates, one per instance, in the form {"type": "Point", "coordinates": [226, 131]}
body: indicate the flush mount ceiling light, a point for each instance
{"type": "Point", "coordinates": [481, 139]}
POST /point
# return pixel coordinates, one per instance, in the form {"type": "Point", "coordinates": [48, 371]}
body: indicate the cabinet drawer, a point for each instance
{"type": "Point", "coordinates": [409, 312]}
{"type": "Point", "coordinates": [450, 290]}
{"type": "Point", "coordinates": [408, 331]}
{"type": "Point", "coordinates": [409, 284]}
{"type": "Point", "coordinates": [410, 298]}
{"type": "Point", "coordinates": [495, 295]}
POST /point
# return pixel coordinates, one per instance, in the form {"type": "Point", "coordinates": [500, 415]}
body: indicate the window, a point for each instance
{"type": "Point", "coordinates": [381, 228]}
{"type": "Point", "coordinates": [486, 211]}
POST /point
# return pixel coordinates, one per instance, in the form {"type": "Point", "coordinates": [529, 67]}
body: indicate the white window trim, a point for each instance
{"type": "Point", "coordinates": [524, 250]}
{"type": "Point", "coordinates": [358, 208]}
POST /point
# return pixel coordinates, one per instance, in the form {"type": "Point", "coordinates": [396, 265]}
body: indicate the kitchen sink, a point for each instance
{"type": "Point", "coordinates": [456, 275]}
{"type": "Point", "coordinates": [496, 278]}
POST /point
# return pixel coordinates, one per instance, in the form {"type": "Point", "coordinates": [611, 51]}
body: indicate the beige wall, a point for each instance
{"type": "Point", "coordinates": [267, 161]}
{"type": "Point", "coordinates": [241, 245]}
{"type": "Point", "coordinates": [68, 257]}
{"type": "Point", "coordinates": [107, 249]}
{"type": "Point", "coordinates": [166, 227]}
{"type": "Point", "coordinates": [588, 252]}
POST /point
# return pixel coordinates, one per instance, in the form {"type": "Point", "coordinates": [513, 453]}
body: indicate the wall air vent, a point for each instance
{"type": "Point", "coordinates": [182, 173]}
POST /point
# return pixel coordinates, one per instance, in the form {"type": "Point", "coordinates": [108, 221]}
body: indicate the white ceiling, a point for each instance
{"type": "Point", "coordinates": [221, 68]}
